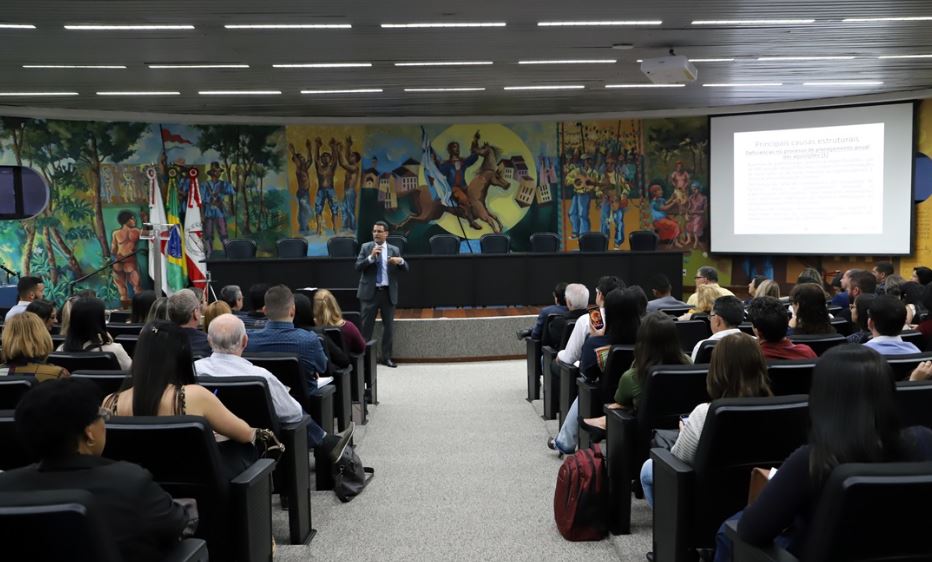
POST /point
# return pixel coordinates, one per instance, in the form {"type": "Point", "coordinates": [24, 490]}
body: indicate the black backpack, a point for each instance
{"type": "Point", "coordinates": [350, 477]}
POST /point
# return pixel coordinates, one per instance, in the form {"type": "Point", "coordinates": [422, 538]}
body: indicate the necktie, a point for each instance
{"type": "Point", "coordinates": [380, 275]}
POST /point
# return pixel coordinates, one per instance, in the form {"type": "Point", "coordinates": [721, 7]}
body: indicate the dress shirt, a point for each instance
{"type": "Point", "coordinates": [198, 340]}
{"type": "Point", "coordinates": [383, 266]}
{"type": "Point", "coordinates": [283, 337]}
{"type": "Point", "coordinates": [786, 350]}
{"type": "Point", "coordinates": [570, 354]}
{"type": "Point", "coordinates": [664, 302]}
{"type": "Point", "coordinates": [891, 345]}
{"type": "Point", "coordinates": [716, 336]}
{"type": "Point", "coordinates": [228, 365]}
{"type": "Point", "coordinates": [18, 309]}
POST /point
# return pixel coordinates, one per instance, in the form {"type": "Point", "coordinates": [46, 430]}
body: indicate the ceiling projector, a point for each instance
{"type": "Point", "coordinates": [671, 69]}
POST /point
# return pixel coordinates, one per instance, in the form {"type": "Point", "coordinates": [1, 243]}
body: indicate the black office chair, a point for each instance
{"type": "Point", "coordinates": [495, 243]}
{"type": "Point", "coordinates": [342, 247]}
{"type": "Point", "coordinates": [398, 241]}
{"type": "Point", "coordinates": [291, 248]}
{"type": "Point", "coordinates": [444, 245]}
{"type": "Point", "coordinates": [544, 243]}
{"type": "Point", "coordinates": [357, 372]}
{"type": "Point", "coordinates": [85, 360]}
{"type": "Point", "coordinates": [820, 343]}
{"type": "Point", "coordinates": [119, 316]}
{"type": "Point", "coordinates": [594, 395]}
{"type": "Point", "coordinates": [12, 388]}
{"type": "Point", "coordinates": [704, 355]}
{"type": "Point", "coordinates": [790, 377]}
{"type": "Point", "coordinates": [551, 384]}
{"type": "Point", "coordinates": [67, 525]}
{"type": "Point", "coordinates": [644, 241]}
{"type": "Point", "coordinates": [912, 401]}
{"type": "Point", "coordinates": [534, 351]}
{"type": "Point", "coordinates": [593, 242]}
{"type": "Point", "coordinates": [116, 330]}
{"type": "Point", "coordinates": [14, 453]}
{"type": "Point", "coordinates": [691, 332]}
{"type": "Point", "coordinates": [240, 249]}
{"type": "Point", "coordinates": [107, 381]}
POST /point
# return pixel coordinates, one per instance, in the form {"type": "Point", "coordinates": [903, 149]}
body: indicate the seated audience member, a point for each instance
{"type": "Point", "coordinates": [158, 310]}
{"type": "Point", "coordinates": [727, 313]}
{"type": "Point", "coordinates": [922, 275]}
{"type": "Point", "coordinates": [45, 311]}
{"type": "Point", "coordinates": [62, 423]}
{"type": "Point", "coordinates": [28, 289]}
{"type": "Point", "coordinates": [926, 325]}
{"type": "Point", "coordinates": [577, 299]}
{"type": "Point", "coordinates": [810, 314]}
{"type": "Point", "coordinates": [26, 345]}
{"type": "Point", "coordinates": [214, 310]}
{"type": "Point", "coordinates": [859, 282]}
{"type": "Point", "coordinates": [304, 319]}
{"type": "Point", "coordinates": [657, 343]}
{"type": "Point", "coordinates": [850, 382]}
{"type": "Point", "coordinates": [64, 317]}
{"type": "Point", "coordinates": [881, 271]}
{"type": "Point", "coordinates": [641, 297]}
{"type": "Point", "coordinates": [142, 304]}
{"type": "Point", "coordinates": [256, 317]}
{"type": "Point", "coordinates": [770, 321]}
{"type": "Point", "coordinates": [768, 288]}
{"type": "Point", "coordinates": [811, 276]}
{"type": "Point", "coordinates": [327, 314]}
{"type": "Point", "coordinates": [281, 336]}
{"type": "Point", "coordinates": [705, 299]}
{"type": "Point", "coordinates": [842, 297]}
{"type": "Point", "coordinates": [707, 275]}
{"type": "Point", "coordinates": [859, 318]}
{"type": "Point", "coordinates": [885, 319]}
{"type": "Point", "coordinates": [558, 307]}
{"type": "Point", "coordinates": [184, 309]}
{"type": "Point", "coordinates": [754, 284]}
{"type": "Point", "coordinates": [233, 296]}
{"type": "Point", "coordinates": [893, 285]}
{"type": "Point", "coordinates": [660, 289]}
{"type": "Point", "coordinates": [738, 370]}
{"type": "Point", "coordinates": [303, 312]}
{"type": "Point", "coordinates": [87, 331]}
{"type": "Point", "coordinates": [622, 318]}
{"type": "Point", "coordinates": [163, 384]}
{"type": "Point", "coordinates": [911, 295]}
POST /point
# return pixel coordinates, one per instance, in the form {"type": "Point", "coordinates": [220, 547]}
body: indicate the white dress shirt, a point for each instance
{"type": "Point", "coordinates": [18, 309]}
{"type": "Point", "coordinates": [570, 354]}
{"type": "Point", "coordinates": [716, 336]}
{"type": "Point", "coordinates": [228, 365]}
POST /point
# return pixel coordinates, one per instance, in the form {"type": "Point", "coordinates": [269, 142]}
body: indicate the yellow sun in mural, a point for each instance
{"type": "Point", "coordinates": [514, 166]}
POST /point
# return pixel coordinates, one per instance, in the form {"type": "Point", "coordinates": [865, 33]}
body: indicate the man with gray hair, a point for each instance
{"type": "Point", "coordinates": [184, 309]}
{"type": "Point", "coordinates": [707, 275]}
{"type": "Point", "coordinates": [233, 296]}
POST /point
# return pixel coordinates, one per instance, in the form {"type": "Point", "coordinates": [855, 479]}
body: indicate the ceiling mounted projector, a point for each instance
{"type": "Point", "coordinates": [671, 69]}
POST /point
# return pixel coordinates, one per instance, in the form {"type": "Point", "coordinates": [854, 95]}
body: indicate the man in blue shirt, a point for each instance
{"type": "Point", "coordinates": [558, 307]}
{"type": "Point", "coordinates": [280, 336]}
{"type": "Point", "coordinates": [885, 319]}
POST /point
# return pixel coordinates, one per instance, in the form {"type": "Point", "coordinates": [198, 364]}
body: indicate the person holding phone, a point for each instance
{"type": "Point", "coordinates": [379, 264]}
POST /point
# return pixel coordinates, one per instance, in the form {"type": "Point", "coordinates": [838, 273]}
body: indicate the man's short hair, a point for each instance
{"type": "Point", "coordinates": [278, 301]}
{"type": "Point", "coordinates": [888, 314]}
{"type": "Point", "coordinates": [230, 294]}
{"type": "Point", "coordinates": [708, 272]}
{"type": "Point", "coordinates": [608, 283]}
{"type": "Point", "coordinates": [884, 267]}
{"type": "Point", "coordinates": [659, 283]}
{"type": "Point", "coordinates": [383, 224]}
{"type": "Point", "coordinates": [730, 309]}
{"type": "Point", "coordinates": [257, 296]}
{"type": "Point", "coordinates": [577, 296]}
{"type": "Point", "coordinates": [559, 292]}
{"type": "Point", "coordinates": [863, 280]}
{"type": "Point", "coordinates": [41, 308]}
{"type": "Point", "coordinates": [225, 333]}
{"type": "Point", "coordinates": [26, 285]}
{"type": "Point", "coordinates": [923, 274]}
{"type": "Point", "coordinates": [769, 316]}
{"type": "Point", "coordinates": [51, 418]}
{"type": "Point", "coordinates": [181, 306]}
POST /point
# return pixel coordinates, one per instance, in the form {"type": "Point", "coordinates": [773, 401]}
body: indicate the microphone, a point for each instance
{"type": "Point", "coordinates": [8, 271]}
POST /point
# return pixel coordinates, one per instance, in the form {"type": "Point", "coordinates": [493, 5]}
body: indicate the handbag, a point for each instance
{"type": "Point", "coordinates": [268, 445]}
{"type": "Point", "coordinates": [350, 477]}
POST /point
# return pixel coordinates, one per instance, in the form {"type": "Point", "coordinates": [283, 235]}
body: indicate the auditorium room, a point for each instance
{"type": "Point", "coordinates": [287, 281]}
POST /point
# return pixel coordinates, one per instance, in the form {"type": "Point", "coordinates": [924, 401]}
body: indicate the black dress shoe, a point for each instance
{"type": "Point", "coordinates": [389, 363]}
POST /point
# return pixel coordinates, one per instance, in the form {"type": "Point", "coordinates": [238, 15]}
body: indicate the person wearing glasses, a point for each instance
{"type": "Point", "coordinates": [63, 426]}
{"type": "Point", "coordinates": [707, 275]}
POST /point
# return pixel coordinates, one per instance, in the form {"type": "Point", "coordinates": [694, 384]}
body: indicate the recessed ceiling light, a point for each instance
{"type": "Point", "coordinates": [81, 66]}
{"type": "Point", "coordinates": [30, 94]}
{"type": "Point", "coordinates": [96, 27]}
{"type": "Point", "coordinates": [906, 18]}
{"type": "Point", "coordinates": [711, 60]}
{"type": "Point", "coordinates": [744, 85]}
{"type": "Point", "coordinates": [239, 92]}
{"type": "Point", "coordinates": [17, 26]}
{"type": "Point", "coordinates": [446, 63]}
{"type": "Point", "coordinates": [444, 89]}
{"type": "Point", "coordinates": [324, 65]}
{"type": "Point", "coordinates": [805, 58]}
{"type": "Point", "coordinates": [645, 85]}
{"type": "Point", "coordinates": [601, 23]}
{"type": "Point", "coordinates": [141, 93]}
{"type": "Point", "coordinates": [548, 87]}
{"type": "Point", "coordinates": [289, 26]}
{"type": "Point", "coordinates": [441, 25]}
{"type": "Point", "coordinates": [755, 22]}
{"type": "Point", "coordinates": [195, 66]}
{"type": "Point", "coordinates": [349, 91]}
{"type": "Point", "coordinates": [569, 61]}
{"type": "Point", "coordinates": [905, 57]}
{"type": "Point", "coordinates": [845, 83]}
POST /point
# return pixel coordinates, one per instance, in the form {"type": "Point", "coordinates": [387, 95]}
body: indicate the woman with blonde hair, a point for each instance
{"type": "Point", "coordinates": [768, 288]}
{"type": "Point", "coordinates": [705, 299]}
{"type": "Point", "coordinates": [327, 313]}
{"type": "Point", "coordinates": [214, 310]}
{"type": "Point", "coordinates": [26, 346]}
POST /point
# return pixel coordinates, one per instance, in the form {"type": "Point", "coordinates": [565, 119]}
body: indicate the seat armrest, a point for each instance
{"type": "Point", "coordinates": [567, 386]}
{"type": "Point", "coordinates": [590, 397]}
{"type": "Point", "coordinates": [188, 550]}
{"type": "Point", "coordinates": [371, 366]}
{"type": "Point", "coordinates": [293, 479]}
{"type": "Point", "coordinates": [533, 368]}
{"type": "Point", "coordinates": [620, 451]}
{"type": "Point", "coordinates": [745, 552]}
{"type": "Point", "coordinates": [674, 493]}
{"type": "Point", "coordinates": [251, 494]}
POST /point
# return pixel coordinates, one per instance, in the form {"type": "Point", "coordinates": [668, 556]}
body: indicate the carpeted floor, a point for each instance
{"type": "Point", "coordinates": [462, 472]}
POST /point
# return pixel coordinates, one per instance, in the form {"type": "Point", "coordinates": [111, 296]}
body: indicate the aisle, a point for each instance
{"type": "Point", "coordinates": [462, 473]}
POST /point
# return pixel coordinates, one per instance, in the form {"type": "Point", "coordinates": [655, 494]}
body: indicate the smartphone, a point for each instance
{"type": "Point", "coordinates": [595, 317]}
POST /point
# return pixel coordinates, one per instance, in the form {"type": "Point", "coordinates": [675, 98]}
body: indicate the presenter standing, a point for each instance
{"type": "Point", "coordinates": [379, 264]}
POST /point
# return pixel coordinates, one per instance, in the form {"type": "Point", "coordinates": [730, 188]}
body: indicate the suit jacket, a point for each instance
{"type": "Point", "coordinates": [554, 334]}
{"type": "Point", "coordinates": [141, 516]}
{"type": "Point", "coordinates": [366, 291]}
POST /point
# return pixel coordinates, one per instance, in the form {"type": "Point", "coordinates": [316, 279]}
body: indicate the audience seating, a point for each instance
{"type": "Point", "coordinates": [119, 316]}
{"type": "Point", "coordinates": [240, 249]}
{"type": "Point", "coordinates": [117, 330]}
{"type": "Point", "coordinates": [671, 390]}
{"type": "Point", "coordinates": [593, 242]}
{"type": "Point", "coordinates": [747, 328]}
{"type": "Point", "coordinates": [871, 511]}
{"type": "Point", "coordinates": [691, 332]}
{"type": "Point", "coordinates": [566, 388]}
{"type": "Point", "coordinates": [85, 360]}
{"type": "Point", "coordinates": [534, 358]}
{"type": "Point", "coordinates": [594, 395]}
{"type": "Point", "coordinates": [342, 247]}
{"type": "Point", "coordinates": [371, 366]}
{"type": "Point", "coordinates": [181, 453]}
{"type": "Point", "coordinates": [913, 400]}
{"type": "Point", "coordinates": [57, 341]}
{"type": "Point", "coordinates": [903, 365]}
{"type": "Point", "coordinates": [12, 388]}
{"type": "Point", "coordinates": [128, 342]}
{"type": "Point", "coordinates": [444, 245]}
{"type": "Point", "coordinates": [690, 502]}
{"type": "Point", "coordinates": [291, 248]}
{"type": "Point", "coordinates": [790, 377]}
{"type": "Point", "coordinates": [399, 241]}
{"type": "Point", "coordinates": [914, 337]}
{"type": "Point", "coordinates": [355, 380]}
{"type": "Point", "coordinates": [820, 343]}
{"type": "Point", "coordinates": [842, 326]}
{"type": "Point", "coordinates": [353, 316]}
{"type": "Point", "coordinates": [495, 243]}
{"type": "Point", "coordinates": [676, 311]}
{"type": "Point", "coordinates": [249, 398]}
{"type": "Point", "coordinates": [14, 453]}
{"type": "Point", "coordinates": [644, 241]}
{"type": "Point", "coordinates": [107, 381]}
{"type": "Point", "coordinates": [544, 243]}
{"type": "Point", "coordinates": [551, 386]}
{"type": "Point", "coordinates": [66, 525]}
{"type": "Point", "coordinates": [704, 355]}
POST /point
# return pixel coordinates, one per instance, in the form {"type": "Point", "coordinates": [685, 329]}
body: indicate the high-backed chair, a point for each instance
{"type": "Point", "coordinates": [676, 311]}
{"type": "Point", "coordinates": [790, 377]}
{"type": "Point", "coordinates": [915, 338]}
{"type": "Point", "coordinates": [551, 387]}
{"type": "Point", "coordinates": [593, 242]}
{"type": "Point", "coordinates": [398, 241]}
{"type": "Point", "coordinates": [866, 512]}
{"type": "Point", "coordinates": [842, 326]}
{"type": "Point", "coordinates": [544, 243]}
{"type": "Point", "coordinates": [235, 516]}
{"type": "Point", "coordinates": [704, 355]}
{"type": "Point", "coordinates": [128, 342]}
{"type": "Point", "coordinates": [644, 241]}
{"type": "Point", "coordinates": [691, 332]}
{"type": "Point", "coordinates": [116, 330]}
{"type": "Point", "coordinates": [14, 453]}
{"type": "Point", "coordinates": [342, 247]}
{"type": "Point", "coordinates": [594, 395]}
{"type": "Point", "coordinates": [912, 400]}
{"type": "Point", "coordinates": [495, 243]}
{"type": "Point", "coordinates": [85, 360]}
{"type": "Point", "coordinates": [240, 249]}
{"type": "Point", "coordinates": [349, 389]}
{"type": "Point", "coordinates": [12, 388]}
{"type": "Point", "coordinates": [291, 248]}
{"type": "Point", "coordinates": [690, 502]}
{"type": "Point", "coordinates": [444, 245]}
{"type": "Point", "coordinates": [820, 343]}
{"type": "Point", "coordinates": [107, 382]}
{"type": "Point", "coordinates": [67, 525]}
{"type": "Point", "coordinates": [534, 357]}
{"type": "Point", "coordinates": [903, 365]}
{"type": "Point", "coordinates": [118, 317]}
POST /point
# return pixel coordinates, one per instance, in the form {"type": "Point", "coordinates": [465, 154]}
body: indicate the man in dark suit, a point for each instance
{"type": "Point", "coordinates": [379, 264]}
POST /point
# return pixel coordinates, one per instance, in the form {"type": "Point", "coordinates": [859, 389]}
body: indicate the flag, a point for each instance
{"type": "Point", "coordinates": [173, 244]}
{"type": "Point", "coordinates": [435, 179]}
{"type": "Point", "coordinates": [157, 216]}
{"type": "Point", "coordinates": [168, 136]}
{"type": "Point", "coordinates": [194, 234]}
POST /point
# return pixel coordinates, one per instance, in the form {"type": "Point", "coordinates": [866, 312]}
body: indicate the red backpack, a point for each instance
{"type": "Point", "coordinates": [579, 505]}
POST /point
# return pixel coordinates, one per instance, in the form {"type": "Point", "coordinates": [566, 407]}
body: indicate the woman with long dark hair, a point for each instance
{"type": "Point", "coordinates": [810, 314]}
{"type": "Point", "coordinates": [87, 331]}
{"type": "Point", "coordinates": [142, 303]}
{"type": "Point", "coordinates": [859, 315]}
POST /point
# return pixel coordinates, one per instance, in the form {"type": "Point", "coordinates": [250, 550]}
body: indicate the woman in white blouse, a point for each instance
{"type": "Point", "coordinates": [88, 331]}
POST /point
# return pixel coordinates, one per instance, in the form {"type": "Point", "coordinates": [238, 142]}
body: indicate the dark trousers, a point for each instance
{"type": "Point", "coordinates": [379, 303]}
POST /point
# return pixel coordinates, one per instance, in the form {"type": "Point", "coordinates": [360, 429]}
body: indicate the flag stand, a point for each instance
{"type": "Point", "coordinates": [153, 233]}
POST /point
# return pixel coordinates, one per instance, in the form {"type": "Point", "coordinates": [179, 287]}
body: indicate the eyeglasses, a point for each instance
{"type": "Point", "coordinates": [104, 414]}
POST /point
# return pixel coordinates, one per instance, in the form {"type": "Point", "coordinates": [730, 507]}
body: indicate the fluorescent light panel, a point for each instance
{"type": "Point", "coordinates": [288, 26]}
{"type": "Point", "coordinates": [842, 83]}
{"type": "Point", "coordinates": [599, 23]}
{"type": "Point", "coordinates": [441, 25]}
{"type": "Point", "coordinates": [239, 92]}
{"type": "Point", "coordinates": [96, 27]}
{"type": "Point", "coordinates": [446, 63]}
{"type": "Point", "coordinates": [755, 22]}
{"type": "Point", "coordinates": [805, 58]}
{"type": "Point", "coordinates": [140, 93]}
{"type": "Point", "coordinates": [195, 66]}
{"type": "Point", "coordinates": [324, 65]}
{"type": "Point", "coordinates": [17, 26]}
{"type": "Point", "coordinates": [710, 60]}
{"type": "Point", "coordinates": [569, 61]}
{"type": "Point", "coordinates": [347, 91]}
{"type": "Point", "coordinates": [37, 94]}
{"type": "Point", "coordinates": [905, 57]}
{"type": "Point", "coordinates": [81, 66]}
{"type": "Point", "coordinates": [547, 87]}
{"type": "Point", "coordinates": [645, 85]}
{"type": "Point", "coordinates": [744, 85]}
{"type": "Point", "coordinates": [904, 18]}
{"type": "Point", "coordinates": [467, 89]}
